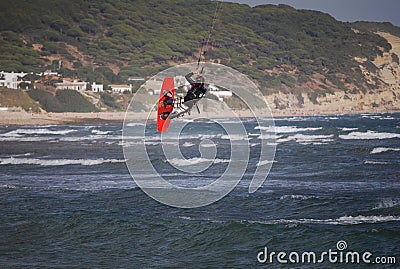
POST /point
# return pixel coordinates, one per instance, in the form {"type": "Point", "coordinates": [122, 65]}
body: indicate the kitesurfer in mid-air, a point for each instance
{"type": "Point", "coordinates": [167, 103]}
{"type": "Point", "coordinates": [197, 88]}
{"type": "Point", "coordinates": [196, 91]}
{"type": "Point", "coordinates": [168, 100]}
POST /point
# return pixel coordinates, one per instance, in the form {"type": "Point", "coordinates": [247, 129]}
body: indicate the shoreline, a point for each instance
{"type": "Point", "coordinates": [21, 118]}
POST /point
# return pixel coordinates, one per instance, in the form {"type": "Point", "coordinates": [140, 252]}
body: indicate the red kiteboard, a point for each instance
{"type": "Point", "coordinates": [165, 106]}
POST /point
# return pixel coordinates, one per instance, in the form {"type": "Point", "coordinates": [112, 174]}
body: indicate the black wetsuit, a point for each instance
{"type": "Point", "coordinates": [197, 89]}
{"type": "Point", "coordinates": [168, 101]}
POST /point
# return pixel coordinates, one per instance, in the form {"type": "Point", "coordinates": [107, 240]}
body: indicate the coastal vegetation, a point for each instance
{"type": "Point", "coordinates": [62, 101]}
{"type": "Point", "coordinates": [280, 48]}
{"type": "Point", "coordinates": [17, 98]}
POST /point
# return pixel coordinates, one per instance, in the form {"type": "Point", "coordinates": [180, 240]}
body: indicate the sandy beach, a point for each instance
{"type": "Point", "coordinates": [24, 118]}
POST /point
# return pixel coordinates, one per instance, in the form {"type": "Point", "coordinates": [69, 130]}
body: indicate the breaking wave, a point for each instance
{"type": "Point", "coordinates": [345, 129]}
{"type": "Point", "coordinates": [56, 162]}
{"type": "Point", "coordinates": [380, 150]}
{"type": "Point", "coordinates": [369, 135]}
{"type": "Point", "coordinates": [41, 131]}
{"type": "Point", "coordinates": [297, 197]}
{"type": "Point", "coordinates": [193, 161]}
{"type": "Point", "coordinates": [307, 139]}
{"type": "Point", "coordinates": [346, 220]}
{"type": "Point", "coordinates": [286, 129]}
{"type": "Point", "coordinates": [188, 144]}
{"type": "Point", "coordinates": [375, 162]}
{"type": "Point", "coordinates": [265, 162]}
{"type": "Point", "coordinates": [98, 132]}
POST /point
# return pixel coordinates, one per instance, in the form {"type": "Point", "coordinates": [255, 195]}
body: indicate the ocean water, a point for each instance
{"type": "Point", "coordinates": [67, 199]}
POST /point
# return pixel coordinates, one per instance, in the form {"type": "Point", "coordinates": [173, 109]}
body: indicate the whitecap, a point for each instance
{"type": "Point", "coordinates": [207, 145]}
{"type": "Point", "coordinates": [188, 144]}
{"type": "Point", "coordinates": [369, 135]}
{"type": "Point", "coordinates": [375, 162]}
{"type": "Point", "coordinates": [378, 117]}
{"type": "Point", "coordinates": [56, 162]}
{"type": "Point", "coordinates": [98, 132]}
{"type": "Point", "coordinates": [307, 139]}
{"type": "Point", "coordinates": [380, 150]}
{"type": "Point", "coordinates": [347, 129]}
{"type": "Point", "coordinates": [286, 129]}
{"type": "Point", "coordinates": [193, 161]}
{"type": "Point", "coordinates": [40, 131]}
{"type": "Point", "coordinates": [235, 137]}
{"type": "Point", "coordinates": [22, 155]}
{"type": "Point", "coordinates": [132, 124]}
{"type": "Point", "coordinates": [25, 139]}
{"type": "Point", "coordinates": [345, 220]}
{"type": "Point", "coordinates": [265, 162]}
{"type": "Point", "coordinates": [297, 197]}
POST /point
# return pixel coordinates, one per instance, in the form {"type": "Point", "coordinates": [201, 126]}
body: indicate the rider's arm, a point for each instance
{"type": "Point", "coordinates": [189, 78]}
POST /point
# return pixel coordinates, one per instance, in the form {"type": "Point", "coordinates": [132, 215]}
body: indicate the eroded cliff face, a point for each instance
{"type": "Point", "coordinates": [384, 98]}
{"type": "Point", "coordinates": [388, 64]}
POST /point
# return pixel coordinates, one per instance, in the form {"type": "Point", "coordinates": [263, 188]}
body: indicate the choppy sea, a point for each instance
{"type": "Point", "coordinates": [67, 199]}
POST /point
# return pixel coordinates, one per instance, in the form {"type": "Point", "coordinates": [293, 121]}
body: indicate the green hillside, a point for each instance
{"type": "Point", "coordinates": [278, 46]}
{"type": "Point", "coordinates": [17, 98]}
{"type": "Point", "coordinates": [62, 101]}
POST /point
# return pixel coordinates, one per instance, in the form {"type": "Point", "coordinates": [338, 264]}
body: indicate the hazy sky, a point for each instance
{"type": "Point", "coordinates": [343, 10]}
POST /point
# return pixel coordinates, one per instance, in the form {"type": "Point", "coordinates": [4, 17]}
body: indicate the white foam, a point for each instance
{"type": "Point", "coordinates": [378, 117]}
{"type": "Point", "coordinates": [375, 162]}
{"type": "Point", "coordinates": [98, 132]}
{"type": "Point", "coordinates": [135, 124]}
{"type": "Point", "coordinates": [369, 135]}
{"type": "Point", "coordinates": [265, 162]}
{"type": "Point", "coordinates": [346, 220]}
{"type": "Point", "coordinates": [209, 145]}
{"type": "Point", "coordinates": [25, 139]}
{"type": "Point", "coordinates": [21, 155]}
{"type": "Point", "coordinates": [193, 161]}
{"type": "Point", "coordinates": [56, 162]}
{"type": "Point", "coordinates": [60, 137]}
{"type": "Point", "coordinates": [345, 129]}
{"type": "Point", "coordinates": [365, 219]}
{"type": "Point", "coordinates": [285, 129]}
{"type": "Point", "coordinates": [235, 137]}
{"type": "Point", "coordinates": [184, 120]}
{"type": "Point", "coordinates": [93, 137]}
{"type": "Point", "coordinates": [308, 139]}
{"type": "Point", "coordinates": [380, 150]}
{"type": "Point", "coordinates": [297, 197]}
{"type": "Point", "coordinates": [40, 131]}
{"type": "Point", "coordinates": [188, 144]}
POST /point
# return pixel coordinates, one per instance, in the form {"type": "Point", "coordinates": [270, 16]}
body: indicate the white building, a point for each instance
{"type": "Point", "coordinates": [10, 80]}
{"type": "Point", "coordinates": [120, 88]}
{"type": "Point", "coordinates": [97, 87]}
{"type": "Point", "coordinates": [74, 85]}
{"type": "Point", "coordinates": [48, 73]}
{"type": "Point", "coordinates": [135, 79]}
{"type": "Point", "coordinates": [219, 93]}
